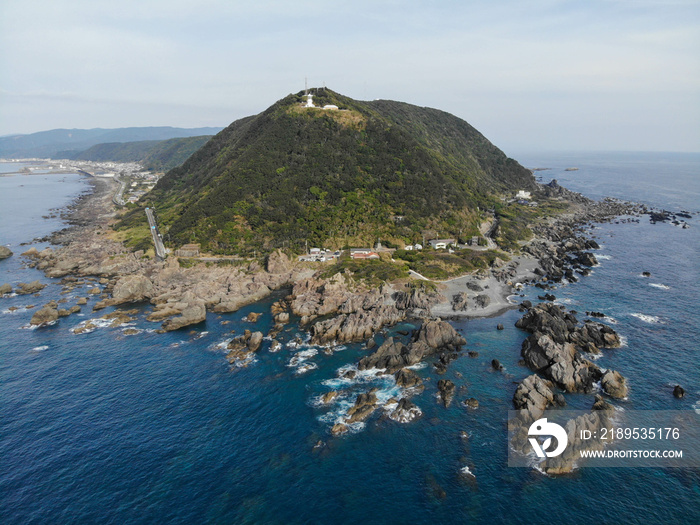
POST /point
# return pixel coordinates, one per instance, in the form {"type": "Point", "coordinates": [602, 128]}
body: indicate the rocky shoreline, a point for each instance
{"type": "Point", "coordinates": [338, 309]}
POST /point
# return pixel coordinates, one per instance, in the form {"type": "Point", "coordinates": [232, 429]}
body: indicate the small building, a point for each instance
{"type": "Point", "coordinates": [315, 251]}
{"type": "Point", "coordinates": [474, 241]}
{"type": "Point", "coordinates": [441, 244]}
{"type": "Point", "coordinates": [522, 194]}
{"type": "Point", "coordinates": [417, 246]}
{"type": "Point", "coordinates": [363, 253]}
{"type": "Point", "coordinates": [330, 106]}
{"type": "Point", "coordinates": [188, 250]}
{"type": "Point", "coordinates": [408, 248]}
{"type": "Point", "coordinates": [309, 101]}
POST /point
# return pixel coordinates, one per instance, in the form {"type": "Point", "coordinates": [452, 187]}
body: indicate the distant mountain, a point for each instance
{"type": "Point", "coordinates": [47, 144]}
{"type": "Point", "coordinates": [333, 177]}
{"type": "Point", "coordinates": [159, 155]}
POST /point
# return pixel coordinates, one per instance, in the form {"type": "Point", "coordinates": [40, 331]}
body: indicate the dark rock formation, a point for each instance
{"type": "Point", "coordinates": [446, 391]}
{"type": "Point", "coordinates": [678, 392]}
{"type": "Point", "coordinates": [405, 412]}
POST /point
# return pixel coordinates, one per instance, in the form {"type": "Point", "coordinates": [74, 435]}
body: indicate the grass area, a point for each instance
{"type": "Point", "coordinates": [372, 272]}
{"type": "Point", "coordinates": [515, 221]}
{"type": "Point", "coordinates": [440, 265]}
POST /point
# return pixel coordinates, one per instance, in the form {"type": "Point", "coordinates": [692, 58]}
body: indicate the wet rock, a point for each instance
{"type": "Point", "coordinates": [405, 412]}
{"type": "Point", "coordinates": [29, 288]}
{"type": "Point", "coordinates": [678, 392]}
{"type": "Point", "coordinates": [328, 397]}
{"type": "Point", "coordinates": [5, 252]}
{"type": "Point", "coordinates": [499, 326]}
{"type": "Point", "coordinates": [339, 429]}
{"type": "Point", "coordinates": [446, 391]}
{"type": "Point", "coordinates": [406, 378]}
{"type": "Point", "coordinates": [365, 405]}
{"type": "Point", "coordinates": [253, 317]}
{"type": "Point", "coordinates": [5, 289]}
{"type": "Point", "coordinates": [82, 301]}
{"type": "Point", "coordinates": [472, 403]}
{"type": "Point", "coordinates": [44, 316]}
{"type": "Point", "coordinates": [472, 353]}
{"type": "Point", "coordinates": [646, 274]}
{"type": "Point", "coordinates": [496, 365]}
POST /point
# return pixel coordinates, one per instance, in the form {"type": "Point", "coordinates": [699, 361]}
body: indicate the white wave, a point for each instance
{"type": "Point", "coordinates": [651, 319]}
{"type": "Point", "coordinates": [660, 286]}
{"type": "Point", "coordinates": [603, 257]}
{"type": "Point", "coordinates": [200, 335]}
{"type": "Point", "coordinates": [564, 300]}
{"type": "Point", "coordinates": [305, 367]}
{"type": "Point", "coordinates": [467, 472]}
{"type": "Point", "coordinates": [276, 346]}
{"type": "Point", "coordinates": [696, 407]}
{"type": "Point", "coordinates": [624, 343]}
{"type": "Point", "coordinates": [40, 348]}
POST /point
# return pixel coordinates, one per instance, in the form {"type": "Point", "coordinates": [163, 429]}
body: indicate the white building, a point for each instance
{"type": "Point", "coordinates": [522, 194]}
{"type": "Point", "coordinates": [309, 101]}
{"type": "Point", "coordinates": [441, 244]}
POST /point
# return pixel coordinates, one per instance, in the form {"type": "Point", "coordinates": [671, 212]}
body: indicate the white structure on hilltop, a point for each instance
{"type": "Point", "coordinates": [522, 194]}
{"type": "Point", "coordinates": [309, 101]}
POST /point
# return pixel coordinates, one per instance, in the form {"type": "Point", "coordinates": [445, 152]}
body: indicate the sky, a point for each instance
{"type": "Point", "coordinates": [531, 75]}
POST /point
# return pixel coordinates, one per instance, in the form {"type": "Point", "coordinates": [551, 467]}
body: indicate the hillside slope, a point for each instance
{"type": "Point", "coordinates": [294, 175]}
{"type": "Point", "coordinates": [158, 155]}
{"type": "Point", "coordinates": [47, 144]}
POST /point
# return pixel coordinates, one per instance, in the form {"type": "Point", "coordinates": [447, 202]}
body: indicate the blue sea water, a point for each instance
{"type": "Point", "coordinates": [106, 427]}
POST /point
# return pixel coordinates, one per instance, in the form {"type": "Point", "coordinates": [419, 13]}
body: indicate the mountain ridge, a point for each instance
{"type": "Point", "coordinates": [293, 175]}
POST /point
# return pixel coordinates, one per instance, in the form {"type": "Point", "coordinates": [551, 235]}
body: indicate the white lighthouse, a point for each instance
{"type": "Point", "coordinates": [309, 101]}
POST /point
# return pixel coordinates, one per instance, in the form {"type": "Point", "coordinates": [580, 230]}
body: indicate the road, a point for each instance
{"type": "Point", "coordinates": [157, 241]}
{"type": "Point", "coordinates": [118, 198]}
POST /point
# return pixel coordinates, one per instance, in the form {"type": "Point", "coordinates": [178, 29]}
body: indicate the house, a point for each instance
{"type": "Point", "coordinates": [522, 194]}
{"type": "Point", "coordinates": [408, 248]}
{"type": "Point", "coordinates": [417, 246]}
{"type": "Point", "coordinates": [315, 251]}
{"type": "Point", "coordinates": [474, 241]}
{"type": "Point", "coordinates": [441, 244]}
{"type": "Point", "coordinates": [363, 253]}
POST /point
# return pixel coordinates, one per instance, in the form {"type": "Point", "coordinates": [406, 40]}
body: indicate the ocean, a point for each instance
{"type": "Point", "coordinates": [106, 427]}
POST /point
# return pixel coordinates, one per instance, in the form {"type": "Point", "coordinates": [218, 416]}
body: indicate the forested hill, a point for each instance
{"type": "Point", "coordinates": [158, 155]}
{"type": "Point", "coordinates": [334, 177]}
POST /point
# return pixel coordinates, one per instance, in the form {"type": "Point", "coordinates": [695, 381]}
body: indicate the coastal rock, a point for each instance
{"type": "Point", "coordinates": [253, 317]}
{"type": "Point", "coordinates": [5, 289]}
{"type": "Point", "coordinates": [472, 403]}
{"type": "Point", "coordinates": [459, 302]}
{"type": "Point", "coordinates": [446, 391]}
{"type": "Point", "coordinates": [5, 252]}
{"type": "Point", "coordinates": [496, 365]}
{"type": "Point", "coordinates": [482, 301]}
{"type": "Point", "coordinates": [533, 396]}
{"type": "Point", "coordinates": [678, 392]}
{"type": "Point", "coordinates": [405, 412]}
{"type": "Point", "coordinates": [356, 326]}
{"type": "Point", "coordinates": [44, 316]}
{"type": "Point", "coordinates": [132, 289]}
{"type": "Point", "coordinates": [339, 429]}
{"type": "Point", "coordinates": [31, 253]}
{"type": "Point", "coordinates": [365, 405]}
{"type": "Point", "coordinates": [328, 397]}
{"type": "Point", "coordinates": [406, 378]}
{"type": "Point", "coordinates": [194, 312]}
{"type": "Point", "coordinates": [560, 363]}
{"type": "Point", "coordinates": [29, 288]}
{"type": "Point", "coordinates": [614, 384]}
{"type": "Point", "coordinates": [278, 263]}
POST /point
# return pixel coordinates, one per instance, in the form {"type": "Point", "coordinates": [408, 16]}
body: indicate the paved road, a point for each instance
{"type": "Point", "coordinates": [157, 241]}
{"type": "Point", "coordinates": [118, 198]}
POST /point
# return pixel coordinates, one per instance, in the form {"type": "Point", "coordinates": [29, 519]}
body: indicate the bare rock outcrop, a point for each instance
{"type": "Point", "coordinates": [44, 316]}
{"type": "Point", "coordinates": [5, 252]}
